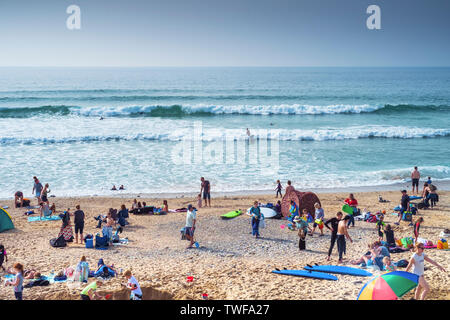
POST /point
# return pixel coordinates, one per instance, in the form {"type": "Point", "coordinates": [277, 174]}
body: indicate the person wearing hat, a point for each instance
{"type": "Point", "coordinates": [302, 227]}
{"type": "Point", "coordinates": [191, 219]}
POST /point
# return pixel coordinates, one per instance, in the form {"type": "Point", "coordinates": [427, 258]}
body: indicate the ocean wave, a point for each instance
{"type": "Point", "coordinates": [204, 109]}
{"type": "Point", "coordinates": [222, 134]}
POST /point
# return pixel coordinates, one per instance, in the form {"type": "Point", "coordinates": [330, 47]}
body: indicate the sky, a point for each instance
{"type": "Point", "coordinates": [225, 33]}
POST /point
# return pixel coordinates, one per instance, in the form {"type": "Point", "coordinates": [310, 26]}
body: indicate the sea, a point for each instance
{"type": "Point", "coordinates": [157, 130]}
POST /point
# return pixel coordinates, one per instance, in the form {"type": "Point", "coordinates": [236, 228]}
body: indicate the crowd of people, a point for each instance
{"type": "Point", "coordinates": [299, 219]}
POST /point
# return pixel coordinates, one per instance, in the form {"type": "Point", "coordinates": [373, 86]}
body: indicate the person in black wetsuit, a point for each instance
{"type": "Point", "coordinates": [390, 238]}
{"type": "Point", "coordinates": [334, 228]}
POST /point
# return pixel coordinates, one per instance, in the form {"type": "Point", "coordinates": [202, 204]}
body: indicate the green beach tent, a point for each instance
{"type": "Point", "coordinates": [5, 221]}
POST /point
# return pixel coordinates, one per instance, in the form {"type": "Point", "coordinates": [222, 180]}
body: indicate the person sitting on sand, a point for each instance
{"type": "Point", "coordinates": [90, 291]}
{"type": "Point", "coordinates": [134, 205]}
{"type": "Point", "coordinates": [108, 228]}
{"type": "Point", "coordinates": [18, 199]}
{"type": "Point", "coordinates": [390, 237]}
{"type": "Point", "coordinates": [417, 262]}
{"type": "Point", "coordinates": [388, 265]}
{"type": "Point", "coordinates": [133, 285]}
{"type": "Point", "coordinates": [369, 257]}
{"type": "Point", "coordinates": [165, 207]}
{"type": "Point", "coordinates": [44, 210]}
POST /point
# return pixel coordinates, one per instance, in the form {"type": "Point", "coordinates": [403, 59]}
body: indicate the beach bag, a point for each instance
{"type": "Point", "coordinates": [101, 241]}
{"type": "Point", "coordinates": [421, 205]}
{"type": "Point", "coordinates": [262, 223]}
{"type": "Point", "coordinates": [58, 242]}
{"type": "Point", "coordinates": [402, 263]}
{"type": "Point", "coordinates": [407, 216]}
{"type": "Point", "coordinates": [442, 244]}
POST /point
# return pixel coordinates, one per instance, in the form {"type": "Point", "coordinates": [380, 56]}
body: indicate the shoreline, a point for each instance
{"type": "Point", "coordinates": [443, 185]}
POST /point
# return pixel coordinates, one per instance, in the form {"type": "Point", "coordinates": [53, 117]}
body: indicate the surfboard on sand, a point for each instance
{"type": "Point", "coordinates": [306, 274]}
{"type": "Point", "coordinates": [267, 212]}
{"type": "Point", "coordinates": [339, 270]}
{"type": "Point", "coordinates": [231, 214]}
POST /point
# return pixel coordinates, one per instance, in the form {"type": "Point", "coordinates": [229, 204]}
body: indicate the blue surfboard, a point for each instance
{"type": "Point", "coordinates": [340, 270]}
{"type": "Point", "coordinates": [307, 274]}
{"type": "Point", "coordinates": [414, 197]}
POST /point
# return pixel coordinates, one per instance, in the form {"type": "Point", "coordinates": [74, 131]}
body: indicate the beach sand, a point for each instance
{"type": "Point", "coordinates": [230, 263]}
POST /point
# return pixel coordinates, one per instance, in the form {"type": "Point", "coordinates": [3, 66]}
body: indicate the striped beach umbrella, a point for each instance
{"type": "Point", "coordinates": [389, 286]}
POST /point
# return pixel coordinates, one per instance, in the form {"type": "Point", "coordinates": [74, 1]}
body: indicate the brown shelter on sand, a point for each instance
{"type": "Point", "coordinates": [304, 200]}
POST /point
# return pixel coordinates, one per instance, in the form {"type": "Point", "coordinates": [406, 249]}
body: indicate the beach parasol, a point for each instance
{"type": "Point", "coordinates": [389, 286]}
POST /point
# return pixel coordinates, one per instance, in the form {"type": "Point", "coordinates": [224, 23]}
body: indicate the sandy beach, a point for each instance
{"type": "Point", "coordinates": [229, 264]}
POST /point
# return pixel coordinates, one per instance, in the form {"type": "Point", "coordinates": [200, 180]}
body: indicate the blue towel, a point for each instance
{"type": "Point", "coordinates": [51, 218]}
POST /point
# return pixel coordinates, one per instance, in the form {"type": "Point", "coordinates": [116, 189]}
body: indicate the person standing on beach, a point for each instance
{"type": "Point", "coordinates": [107, 229]}
{"type": "Point", "coordinates": [79, 223]}
{"type": "Point", "coordinates": [417, 262]}
{"type": "Point", "coordinates": [289, 188]}
{"type": "Point", "coordinates": [278, 189]}
{"type": "Point", "coordinates": [191, 219]}
{"type": "Point", "coordinates": [318, 219]}
{"type": "Point", "coordinates": [342, 233]}
{"type": "Point", "coordinates": [415, 177]}
{"type": "Point", "coordinates": [334, 228]}
{"type": "Point", "coordinates": [206, 188]}
{"type": "Point", "coordinates": [37, 187]}
{"type": "Point", "coordinates": [416, 228]}
{"type": "Point", "coordinates": [17, 282]}
{"type": "Point", "coordinates": [405, 205]}
{"type": "Point", "coordinates": [352, 202]}
{"type": "Point", "coordinates": [44, 194]}
{"type": "Point", "coordinates": [255, 213]}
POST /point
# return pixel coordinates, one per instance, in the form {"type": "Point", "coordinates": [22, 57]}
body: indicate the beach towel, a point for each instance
{"type": "Point", "coordinates": [121, 242]}
{"type": "Point", "coordinates": [66, 232]}
{"type": "Point", "coordinates": [50, 218]}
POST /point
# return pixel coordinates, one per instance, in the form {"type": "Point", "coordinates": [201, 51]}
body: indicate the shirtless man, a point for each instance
{"type": "Point", "coordinates": [107, 229]}
{"type": "Point", "coordinates": [415, 177]}
{"type": "Point", "coordinates": [342, 233]}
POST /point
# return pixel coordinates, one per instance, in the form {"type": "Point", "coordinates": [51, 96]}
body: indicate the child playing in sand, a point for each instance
{"type": "Point", "coordinates": [90, 291]}
{"type": "Point", "coordinates": [17, 282]}
{"type": "Point", "coordinates": [133, 285]}
{"type": "Point", "coordinates": [3, 256]}
{"type": "Point", "coordinates": [319, 217]}
{"type": "Point", "coordinates": [380, 225]}
{"type": "Point", "coordinates": [388, 265]}
{"type": "Point", "coordinates": [199, 200]}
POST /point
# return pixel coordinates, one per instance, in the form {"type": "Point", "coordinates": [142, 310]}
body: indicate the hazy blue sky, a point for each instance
{"type": "Point", "coordinates": [224, 33]}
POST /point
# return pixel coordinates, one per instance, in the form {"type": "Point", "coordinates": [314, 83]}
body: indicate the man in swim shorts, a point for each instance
{"type": "Point", "coordinates": [206, 188]}
{"type": "Point", "coordinates": [38, 188]}
{"type": "Point", "coordinates": [415, 177]}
